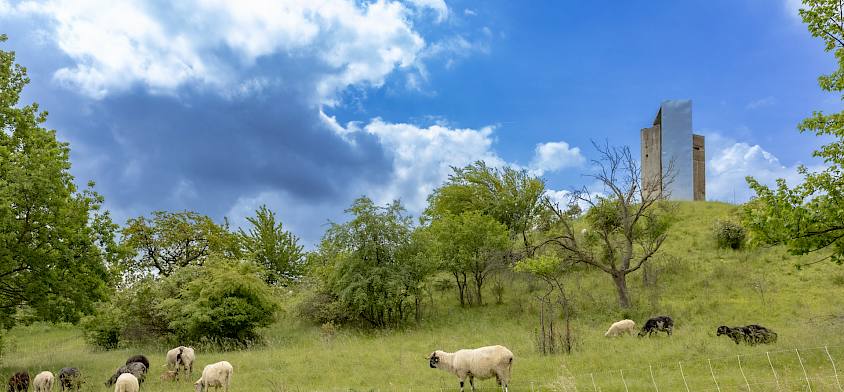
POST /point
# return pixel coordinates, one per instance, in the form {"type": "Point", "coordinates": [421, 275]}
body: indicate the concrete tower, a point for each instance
{"type": "Point", "coordinates": [669, 143]}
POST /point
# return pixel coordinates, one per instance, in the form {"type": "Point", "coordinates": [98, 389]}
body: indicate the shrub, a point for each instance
{"type": "Point", "coordinates": [224, 301]}
{"type": "Point", "coordinates": [728, 234]}
{"type": "Point", "coordinates": [105, 327]}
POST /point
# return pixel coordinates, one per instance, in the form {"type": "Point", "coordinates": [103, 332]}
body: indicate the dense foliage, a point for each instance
{"type": "Point", "coordinates": [810, 216]}
{"type": "Point", "coordinates": [223, 302]}
{"type": "Point", "coordinates": [270, 246]}
{"type": "Point", "coordinates": [728, 234]}
{"type": "Point", "coordinates": [369, 267]}
{"type": "Point", "coordinates": [55, 240]}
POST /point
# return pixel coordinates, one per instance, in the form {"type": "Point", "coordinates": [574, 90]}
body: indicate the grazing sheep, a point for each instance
{"type": "Point", "coordinates": [215, 375]}
{"type": "Point", "coordinates": [751, 334]}
{"type": "Point", "coordinates": [43, 382]}
{"type": "Point", "coordinates": [70, 378]}
{"type": "Point", "coordinates": [127, 383]}
{"type": "Point", "coordinates": [139, 358]}
{"type": "Point", "coordinates": [657, 324]}
{"type": "Point", "coordinates": [168, 376]}
{"type": "Point", "coordinates": [136, 369]}
{"type": "Point", "coordinates": [621, 327]}
{"type": "Point", "coordinates": [181, 358]}
{"type": "Point", "coordinates": [19, 382]}
{"type": "Point", "coordinates": [483, 363]}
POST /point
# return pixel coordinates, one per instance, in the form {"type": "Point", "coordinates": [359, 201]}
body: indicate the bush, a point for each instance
{"type": "Point", "coordinates": [729, 234]}
{"type": "Point", "coordinates": [105, 327]}
{"type": "Point", "coordinates": [226, 302]}
{"type": "Point", "coordinates": [223, 302]}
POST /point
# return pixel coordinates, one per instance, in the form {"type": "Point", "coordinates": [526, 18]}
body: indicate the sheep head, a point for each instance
{"type": "Point", "coordinates": [433, 360]}
{"type": "Point", "coordinates": [722, 330]}
{"type": "Point", "coordinates": [198, 385]}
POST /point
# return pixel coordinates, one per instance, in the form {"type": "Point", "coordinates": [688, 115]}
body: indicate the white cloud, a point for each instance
{"type": "Point", "coordinates": [760, 103]}
{"type": "Point", "coordinates": [438, 6]}
{"type": "Point", "coordinates": [732, 161]}
{"type": "Point", "coordinates": [469, 12]}
{"type": "Point", "coordinates": [423, 156]}
{"type": "Point", "coordinates": [554, 156]}
{"type": "Point", "coordinates": [118, 44]}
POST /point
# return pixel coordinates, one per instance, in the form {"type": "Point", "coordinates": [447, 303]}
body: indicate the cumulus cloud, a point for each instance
{"type": "Point", "coordinates": [438, 6]}
{"type": "Point", "coordinates": [555, 156]}
{"type": "Point", "coordinates": [732, 161]}
{"type": "Point", "coordinates": [122, 43]}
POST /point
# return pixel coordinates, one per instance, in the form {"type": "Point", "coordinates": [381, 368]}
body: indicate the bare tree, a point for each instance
{"type": "Point", "coordinates": [623, 228]}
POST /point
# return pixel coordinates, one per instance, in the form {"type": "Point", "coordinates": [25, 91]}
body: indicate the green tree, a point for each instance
{"type": "Point", "coordinates": [271, 247]}
{"type": "Point", "coordinates": [620, 232]}
{"type": "Point", "coordinates": [810, 216]}
{"type": "Point", "coordinates": [56, 242]}
{"type": "Point", "coordinates": [368, 263]}
{"type": "Point", "coordinates": [513, 197]}
{"type": "Point", "coordinates": [171, 240]}
{"type": "Point", "coordinates": [469, 245]}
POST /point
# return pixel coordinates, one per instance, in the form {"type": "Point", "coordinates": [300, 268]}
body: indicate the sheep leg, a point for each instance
{"type": "Point", "coordinates": [461, 384]}
{"type": "Point", "coordinates": [472, 382]}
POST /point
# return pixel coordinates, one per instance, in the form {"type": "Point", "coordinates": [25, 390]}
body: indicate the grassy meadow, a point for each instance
{"type": "Point", "coordinates": [700, 286]}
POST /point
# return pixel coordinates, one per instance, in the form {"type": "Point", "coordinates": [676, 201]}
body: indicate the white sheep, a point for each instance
{"type": "Point", "coordinates": [180, 358]}
{"type": "Point", "coordinates": [215, 375]}
{"type": "Point", "coordinates": [43, 382]}
{"type": "Point", "coordinates": [483, 363]}
{"type": "Point", "coordinates": [620, 327]}
{"type": "Point", "coordinates": [127, 382]}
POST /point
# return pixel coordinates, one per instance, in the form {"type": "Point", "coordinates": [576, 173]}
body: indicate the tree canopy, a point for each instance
{"type": "Point", "coordinates": [270, 246]}
{"type": "Point", "coordinates": [809, 216]}
{"type": "Point", "coordinates": [56, 242]}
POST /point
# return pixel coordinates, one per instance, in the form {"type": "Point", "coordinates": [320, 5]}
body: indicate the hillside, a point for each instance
{"type": "Point", "coordinates": [700, 286]}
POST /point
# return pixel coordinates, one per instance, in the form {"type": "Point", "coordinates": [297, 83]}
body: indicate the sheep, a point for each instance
{"type": "Point", "coordinates": [136, 369]}
{"type": "Point", "coordinates": [181, 358]}
{"type": "Point", "coordinates": [43, 382]}
{"type": "Point", "coordinates": [127, 383]}
{"type": "Point", "coordinates": [483, 363]}
{"type": "Point", "coordinates": [139, 358]}
{"type": "Point", "coordinates": [70, 378]}
{"type": "Point", "coordinates": [657, 324]}
{"type": "Point", "coordinates": [621, 327]}
{"type": "Point", "coordinates": [19, 382]}
{"type": "Point", "coordinates": [168, 375]}
{"type": "Point", "coordinates": [751, 334]}
{"type": "Point", "coordinates": [215, 375]}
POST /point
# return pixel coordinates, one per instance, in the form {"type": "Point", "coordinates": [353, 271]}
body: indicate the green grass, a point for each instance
{"type": "Point", "coordinates": [700, 286]}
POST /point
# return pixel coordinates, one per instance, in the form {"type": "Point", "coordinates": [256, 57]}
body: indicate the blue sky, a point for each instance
{"type": "Point", "coordinates": [218, 106]}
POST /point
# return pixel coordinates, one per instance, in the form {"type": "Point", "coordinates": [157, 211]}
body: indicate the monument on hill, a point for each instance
{"type": "Point", "coordinates": [672, 155]}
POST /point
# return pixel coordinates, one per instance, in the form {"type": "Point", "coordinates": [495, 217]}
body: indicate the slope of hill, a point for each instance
{"type": "Point", "coordinates": [700, 286]}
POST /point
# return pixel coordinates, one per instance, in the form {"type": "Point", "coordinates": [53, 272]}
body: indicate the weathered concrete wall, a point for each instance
{"type": "Point", "coordinates": [699, 166]}
{"type": "Point", "coordinates": [651, 159]}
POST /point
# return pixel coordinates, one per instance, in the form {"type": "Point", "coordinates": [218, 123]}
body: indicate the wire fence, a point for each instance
{"type": "Point", "coordinates": [807, 369]}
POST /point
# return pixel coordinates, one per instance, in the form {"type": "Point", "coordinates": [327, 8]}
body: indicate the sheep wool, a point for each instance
{"type": "Point", "coordinates": [127, 383]}
{"type": "Point", "coordinates": [620, 327]}
{"type": "Point", "coordinates": [43, 382]}
{"type": "Point", "coordinates": [180, 358]}
{"type": "Point", "coordinates": [483, 363]}
{"type": "Point", "coordinates": [215, 375]}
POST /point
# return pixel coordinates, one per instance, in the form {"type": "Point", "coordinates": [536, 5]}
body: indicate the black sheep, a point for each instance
{"type": "Point", "coordinates": [136, 369]}
{"type": "Point", "coordinates": [141, 359]}
{"type": "Point", "coordinates": [70, 378]}
{"type": "Point", "coordinates": [19, 382]}
{"type": "Point", "coordinates": [657, 324]}
{"type": "Point", "coordinates": [751, 334]}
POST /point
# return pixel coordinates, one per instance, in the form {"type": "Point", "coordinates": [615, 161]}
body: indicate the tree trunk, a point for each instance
{"type": "Point", "coordinates": [620, 280]}
{"type": "Point", "coordinates": [479, 283]}
{"type": "Point", "coordinates": [460, 289]}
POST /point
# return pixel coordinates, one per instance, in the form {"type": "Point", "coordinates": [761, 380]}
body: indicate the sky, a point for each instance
{"type": "Point", "coordinates": [304, 105]}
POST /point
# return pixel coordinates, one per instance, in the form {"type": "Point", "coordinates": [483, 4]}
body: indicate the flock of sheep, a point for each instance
{"type": "Point", "coordinates": [750, 334]}
{"type": "Point", "coordinates": [130, 376]}
{"type": "Point", "coordinates": [481, 363]}
{"type": "Point", "coordinates": [497, 361]}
